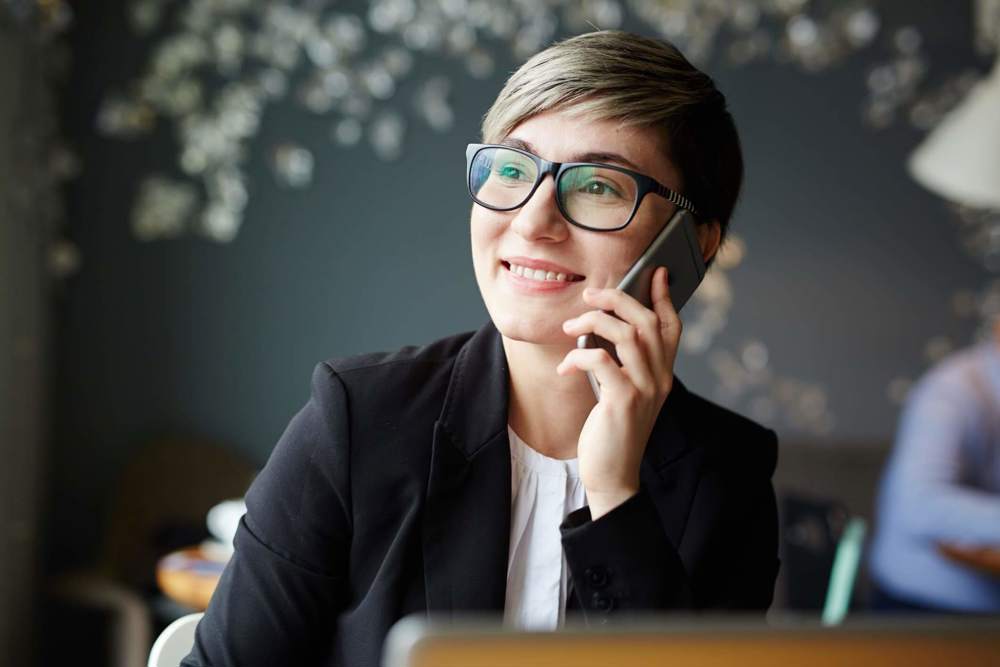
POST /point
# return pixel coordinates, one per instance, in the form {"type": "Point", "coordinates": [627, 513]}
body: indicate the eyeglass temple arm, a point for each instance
{"type": "Point", "coordinates": [676, 199]}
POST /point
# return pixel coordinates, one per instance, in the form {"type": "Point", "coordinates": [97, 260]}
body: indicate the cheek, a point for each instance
{"type": "Point", "coordinates": [484, 231]}
{"type": "Point", "coordinates": [640, 234]}
{"type": "Point", "coordinates": [611, 261]}
{"type": "Point", "coordinates": [486, 225]}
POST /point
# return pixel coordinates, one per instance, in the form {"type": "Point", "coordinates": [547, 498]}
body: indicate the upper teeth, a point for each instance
{"type": "Point", "coordinates": [538, 274]}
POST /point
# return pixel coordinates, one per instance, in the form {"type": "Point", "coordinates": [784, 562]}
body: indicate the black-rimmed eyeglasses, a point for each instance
{"type": "Point", "coordinates": [599, 197]}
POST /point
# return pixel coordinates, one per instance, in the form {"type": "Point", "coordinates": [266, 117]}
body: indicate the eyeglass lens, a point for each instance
{"type": "Point", "coordinates": [589, 195]}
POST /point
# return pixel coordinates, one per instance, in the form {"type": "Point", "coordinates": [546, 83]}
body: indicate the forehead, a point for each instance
{"type": "Point", "coordinates": [561, 137]}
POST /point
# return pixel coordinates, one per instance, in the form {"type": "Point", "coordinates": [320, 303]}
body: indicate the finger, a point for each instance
{"type": "Point", "coordinates": [613, 381]}
{"type": "Point", "coordinates": [630, 348]}
{"type": "Point", "coordinates": [624, 306]}
{"type": "Point", "coordinates": [644, 319]}
{"type": "Point", "coordinates": [663, 306]}
{"type": "Point", "coordinates": [660, 294]}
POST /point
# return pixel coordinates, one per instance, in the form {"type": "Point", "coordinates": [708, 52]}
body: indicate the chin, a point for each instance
{"type": "Point", "coordinates": [539, 332]}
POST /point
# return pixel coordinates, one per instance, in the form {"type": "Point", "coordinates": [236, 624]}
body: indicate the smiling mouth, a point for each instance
{"type": "Point", "coordinates": [540, 275]}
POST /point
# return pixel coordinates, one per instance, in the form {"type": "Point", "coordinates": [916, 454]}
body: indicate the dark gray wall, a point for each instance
{"type": "Point", "coordinates": [849, 271]}
{"type": "Point", "coordinates": [24, 339]}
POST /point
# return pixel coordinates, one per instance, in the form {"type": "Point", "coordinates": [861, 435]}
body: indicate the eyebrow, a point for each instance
{"type": "Point", "coordinates": [592, 156]}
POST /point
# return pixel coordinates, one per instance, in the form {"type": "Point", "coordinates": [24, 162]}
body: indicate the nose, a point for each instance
{"type": "Point", "coordinates": [540, 218]}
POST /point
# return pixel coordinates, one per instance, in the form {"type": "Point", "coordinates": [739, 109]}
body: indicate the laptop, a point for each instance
{"type": "Point", "coordinates": [417, 641]}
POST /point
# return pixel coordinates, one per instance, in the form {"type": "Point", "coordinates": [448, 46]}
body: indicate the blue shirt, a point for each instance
{"type": "Point", "coordinates": [942, 484]}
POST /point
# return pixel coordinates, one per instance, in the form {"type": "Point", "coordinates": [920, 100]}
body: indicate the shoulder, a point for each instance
{"type": "Point", "coordinates": [958, 392]}
{"type": "Point", "coordinates": [727, 438]}
{"type": "Point", "coordinates": [956, 374]}
{"type": "Point", "coordinates": [407, 382]}
{"type": "Point", "coordinates": [410, 358]}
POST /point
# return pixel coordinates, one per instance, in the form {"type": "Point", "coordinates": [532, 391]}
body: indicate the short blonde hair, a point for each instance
{"type": "Point", "coordinates": [615, 75]}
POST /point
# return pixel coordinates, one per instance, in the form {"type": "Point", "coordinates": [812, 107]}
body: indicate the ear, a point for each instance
{"type": "Point", "coordinates": [709, 236]}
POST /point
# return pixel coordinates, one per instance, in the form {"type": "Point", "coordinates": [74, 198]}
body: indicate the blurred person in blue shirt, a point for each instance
{"type": "Point", "coordinates": [942, 487]}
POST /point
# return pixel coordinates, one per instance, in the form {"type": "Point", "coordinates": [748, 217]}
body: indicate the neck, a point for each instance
{"type": "Point", "coordinates": [546, 410]}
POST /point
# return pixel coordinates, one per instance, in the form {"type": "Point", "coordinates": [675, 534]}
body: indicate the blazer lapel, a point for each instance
{"type": "Point", "coordinates": [466, 523]}
{"type": "Point", "coordinates": [671, 465]}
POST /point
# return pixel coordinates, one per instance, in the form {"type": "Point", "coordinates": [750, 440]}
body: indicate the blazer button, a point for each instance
{"type": "Point", "coordinates": [602, 602]}
{"type": "Point", "coordinates": [597, 577]}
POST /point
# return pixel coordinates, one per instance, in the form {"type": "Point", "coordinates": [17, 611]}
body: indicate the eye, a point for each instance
{"type": "Point", "coordinates": [599, 189]}
{"type": "Point", "coordinates": [511, 172]}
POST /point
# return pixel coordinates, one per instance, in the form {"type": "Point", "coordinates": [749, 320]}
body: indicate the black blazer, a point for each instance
{"type": "Point", "coordinates": [390, 493]}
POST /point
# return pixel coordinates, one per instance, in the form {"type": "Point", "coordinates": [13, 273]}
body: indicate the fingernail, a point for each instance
{"type": "Point", "coordinates": [590, 291]}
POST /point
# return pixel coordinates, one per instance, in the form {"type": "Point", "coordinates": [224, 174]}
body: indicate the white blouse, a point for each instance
{"type": "Point", "coordinates": [543, 491]}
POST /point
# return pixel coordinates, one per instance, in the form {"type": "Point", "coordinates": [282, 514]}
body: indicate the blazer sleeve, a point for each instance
{"type": "Point", "coordinates": [278, 599]}
{"type": "Point", "coordinates": [625, 562]}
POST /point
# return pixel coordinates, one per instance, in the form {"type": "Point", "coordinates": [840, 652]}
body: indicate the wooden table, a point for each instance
{"type": "Point", "coordinates": [189, 576]}
{"type": "Point", "coordinates": [982, 559]}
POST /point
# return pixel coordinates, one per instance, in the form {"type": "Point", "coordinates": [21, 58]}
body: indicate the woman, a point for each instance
{"type": "Point", "coordinates": [479, 473]}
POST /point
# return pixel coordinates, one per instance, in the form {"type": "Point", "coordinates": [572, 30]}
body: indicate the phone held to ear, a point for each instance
{"type": "Point", "coordinates": [675, 247]}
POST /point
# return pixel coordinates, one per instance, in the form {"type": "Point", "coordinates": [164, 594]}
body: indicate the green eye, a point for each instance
{"type": "Point", "coordinates": [509, 171]}
{"type": "Point", "coordinates": [598, 189]}
{"type": "Point", "coordinates": [596, 184]}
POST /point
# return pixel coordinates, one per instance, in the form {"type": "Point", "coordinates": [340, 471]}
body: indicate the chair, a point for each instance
{"type": "Point", "coordinates": [158, 505]}
{"type": "Point", "coordinates": [844, 572]}
{"type": "Point", "coordinates": [174, 642]}
{"type": "Point", "coordinates": [821, 555]}
{"type": "Point", "coordinates": [810, 530]}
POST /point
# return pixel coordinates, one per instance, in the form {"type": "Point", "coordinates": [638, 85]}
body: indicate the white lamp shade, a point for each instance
{"type": "Point", "coordinates": [960, 158]}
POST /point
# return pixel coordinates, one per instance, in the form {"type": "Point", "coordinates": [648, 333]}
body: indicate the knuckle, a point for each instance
{"type": "Point", "coordinates": [630, 396]}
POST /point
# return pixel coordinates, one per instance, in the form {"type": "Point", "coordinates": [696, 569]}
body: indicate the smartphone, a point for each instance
{"type": "Point", "coordinates": [676, 247]}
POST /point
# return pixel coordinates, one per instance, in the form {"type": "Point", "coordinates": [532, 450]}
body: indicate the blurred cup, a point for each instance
{"type": "Point", "coordinates": [223, 520]}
